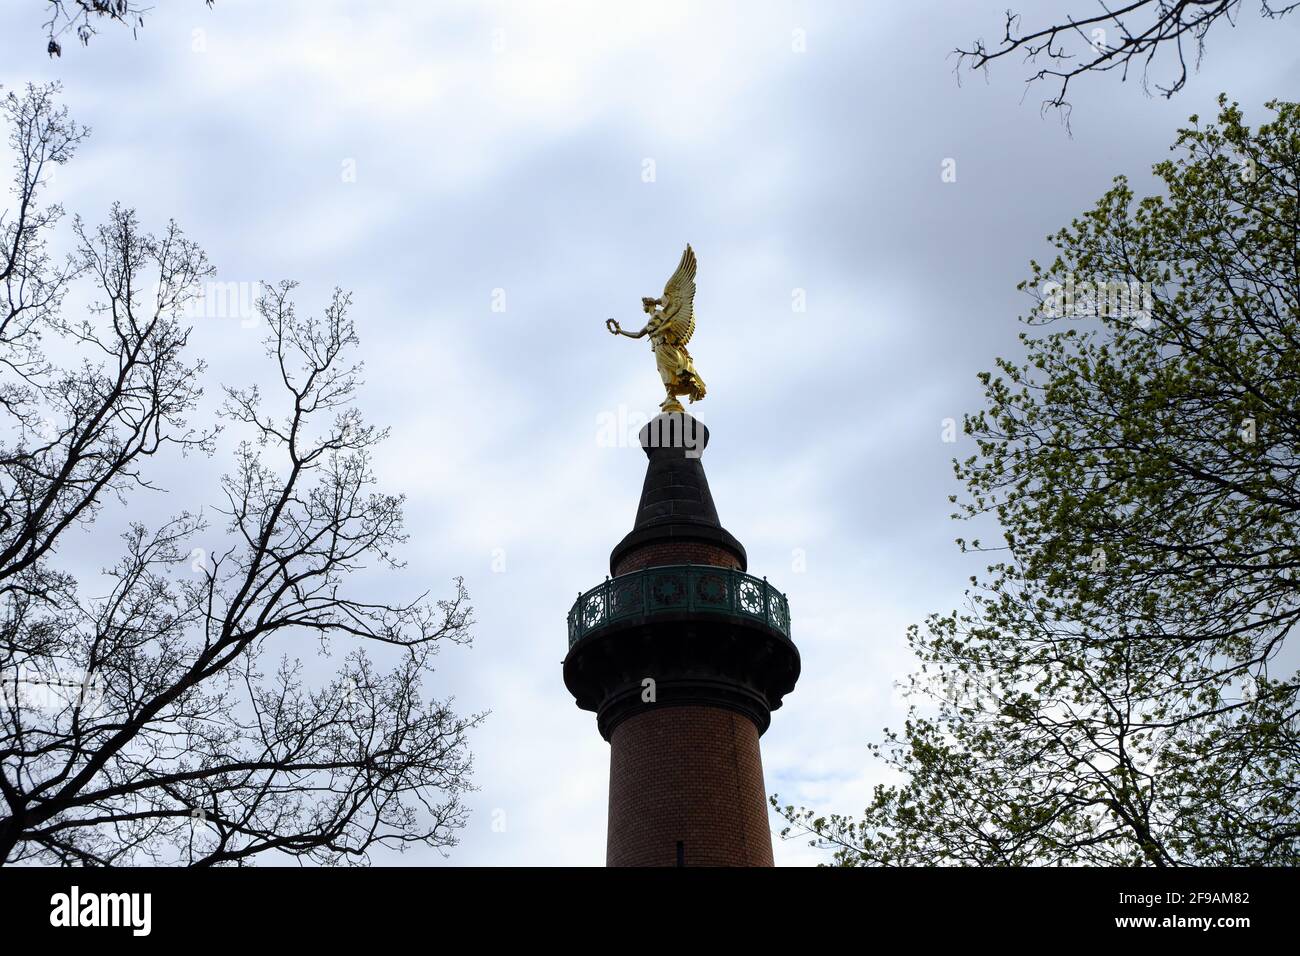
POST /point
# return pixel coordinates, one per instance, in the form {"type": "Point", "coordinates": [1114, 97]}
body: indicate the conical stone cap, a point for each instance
{"type": "Point", "coordinates": [676, 505]}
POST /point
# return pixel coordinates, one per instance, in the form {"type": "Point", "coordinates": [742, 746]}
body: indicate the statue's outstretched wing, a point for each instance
{"type": "Point", "coordinates": [679, 299]}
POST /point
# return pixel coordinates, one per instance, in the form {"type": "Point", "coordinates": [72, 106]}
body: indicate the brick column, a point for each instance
{"type": "Point", "coordinates": [686, 788]}
{"type": "Point", "coordinates": [682, 685]}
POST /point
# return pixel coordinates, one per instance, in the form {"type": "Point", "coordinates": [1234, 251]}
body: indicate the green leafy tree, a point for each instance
{"type": "Point", "coordinates": [1116, 690]}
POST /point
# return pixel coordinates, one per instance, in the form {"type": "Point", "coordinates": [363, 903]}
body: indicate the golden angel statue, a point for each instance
{"type": "Point", "coordinates": [670, 327]}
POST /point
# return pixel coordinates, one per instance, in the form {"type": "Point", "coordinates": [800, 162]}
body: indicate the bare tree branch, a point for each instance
{"type": "Point", "coordinates": [1113, 37]}
{"type": "Point", "coordinates": [140, 726]}
{"type": "Point", "coordinates": [81, 18]}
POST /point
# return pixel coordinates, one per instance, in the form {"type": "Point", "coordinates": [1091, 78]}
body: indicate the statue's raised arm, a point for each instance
{"type": "Point", "coordinates": [670, 327]}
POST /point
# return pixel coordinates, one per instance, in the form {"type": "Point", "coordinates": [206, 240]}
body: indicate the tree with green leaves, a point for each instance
{"type": "Point", "coordinates": [1117, 689]}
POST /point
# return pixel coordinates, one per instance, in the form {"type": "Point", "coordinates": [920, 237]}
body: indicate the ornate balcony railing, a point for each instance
{"type": "Point", "coordinates": [688, 588]}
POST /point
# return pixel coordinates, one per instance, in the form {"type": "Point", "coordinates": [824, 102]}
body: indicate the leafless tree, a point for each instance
{"type": "Point", "coordinates": [1113, 37]}
{"type": "Point", "coordinates": [80, 18]}
{"type": "Point", "coordinates": [170, 720]}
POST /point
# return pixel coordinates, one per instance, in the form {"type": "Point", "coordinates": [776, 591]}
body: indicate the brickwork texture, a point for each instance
{"type": "Point", "coordinates": [660, 554]}
{"type": "Point", "coordinates": [686, 788]}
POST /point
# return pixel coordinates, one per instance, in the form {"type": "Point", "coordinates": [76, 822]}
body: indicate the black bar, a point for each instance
{"type": "Point", "coordinates": [306, 904]}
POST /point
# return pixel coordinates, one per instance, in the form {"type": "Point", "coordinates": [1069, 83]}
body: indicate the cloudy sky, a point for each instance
{"type": "Point", "coordinates": [476, 174]}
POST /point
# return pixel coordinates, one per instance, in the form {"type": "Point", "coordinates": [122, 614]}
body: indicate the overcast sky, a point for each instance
{"type": "Point", "coordinates": [442, 160]}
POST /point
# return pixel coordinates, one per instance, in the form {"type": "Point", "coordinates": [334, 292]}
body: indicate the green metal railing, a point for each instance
{"type": "Point", "coordinates": [686, 588]}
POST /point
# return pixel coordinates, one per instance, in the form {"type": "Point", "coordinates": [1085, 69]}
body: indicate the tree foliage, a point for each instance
{"type": "Point", "coordinates": [1117, 690]}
